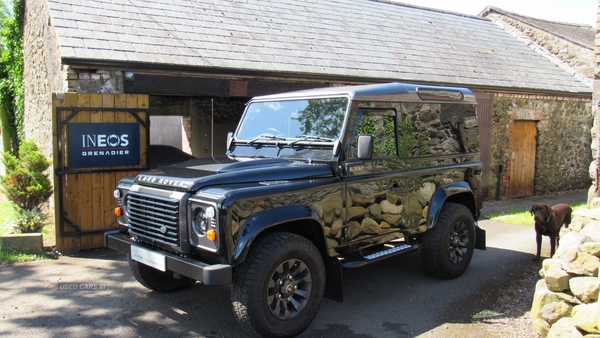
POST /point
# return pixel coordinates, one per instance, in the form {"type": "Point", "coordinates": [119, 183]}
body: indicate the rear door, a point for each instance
{"type": "Point", "coordinates": [522, 162]}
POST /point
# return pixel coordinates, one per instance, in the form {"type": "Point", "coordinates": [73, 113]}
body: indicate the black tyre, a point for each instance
{"type": "Point", "coordinates": [447, 248]}
{"type": "Point", "coordinates": [155, 279]}
{"type": "Point", "coordinates": [278, 289]}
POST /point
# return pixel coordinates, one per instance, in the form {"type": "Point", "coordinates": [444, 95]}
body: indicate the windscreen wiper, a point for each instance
{"type": "Point", "coordinates": [311, 137]}
{"type": "Point", "coordinates": [266, 136]}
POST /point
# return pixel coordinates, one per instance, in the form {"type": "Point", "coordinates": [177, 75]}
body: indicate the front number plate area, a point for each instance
{"type": "Point", "coordinates": [150, 258]}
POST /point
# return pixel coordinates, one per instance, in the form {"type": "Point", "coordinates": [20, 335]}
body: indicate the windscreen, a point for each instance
{"type": "Point", "coordinates": [294, 119]}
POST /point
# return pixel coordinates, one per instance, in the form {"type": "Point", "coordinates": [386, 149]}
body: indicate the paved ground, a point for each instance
{"type": "Point", "coordinates": [93, 294]}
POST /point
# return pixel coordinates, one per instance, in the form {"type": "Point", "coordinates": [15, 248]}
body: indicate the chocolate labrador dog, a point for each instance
{"type": "Point", "coordinates": [548, 221]}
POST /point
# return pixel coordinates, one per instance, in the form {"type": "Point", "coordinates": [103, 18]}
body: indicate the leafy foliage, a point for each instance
{"type": "Point", "coordinates": [30, 220]}
{"type": "Point", "coordinates": [384, 137]}
{"type": "Point", "coordinates": [409, 140]}
{"type": "Point", "coordinates": [384, 140]}
{"type": "Point", "coordinates": [11, 74]}
{"type": "Point", "coordinates": [5, 10]}
{"type": "Point", "coordinates": [26, 185]}
{"type": "Point", "coordinates": [323, 117]}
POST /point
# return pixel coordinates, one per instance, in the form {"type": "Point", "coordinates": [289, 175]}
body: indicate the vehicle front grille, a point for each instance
{"type": "Point", "coordinates": [153, 218]}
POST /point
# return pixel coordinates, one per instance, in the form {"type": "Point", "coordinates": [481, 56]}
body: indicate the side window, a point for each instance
{"type": "Point", "coordinates": [414, 129]}
{"type": "Point", "coordinates": [427, 129]}
{"type": "Point", "coordinates": [462, 123]}
{"type": "Point", "coordinates": [382, 125]}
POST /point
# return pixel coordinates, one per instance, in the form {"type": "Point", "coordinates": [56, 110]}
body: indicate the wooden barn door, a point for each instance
{"type": "Point", "coordinates": [522, 165]}
{"type": "Point", "coordinates": [99, 139]}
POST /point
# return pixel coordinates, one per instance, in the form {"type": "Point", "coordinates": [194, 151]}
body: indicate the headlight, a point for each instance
{"type": "Point", "coordinates": [204, 229]}
{"type": "Point", "coordinates": [121, 207]}
{"type": "Point", "coordinates": [200, 221]}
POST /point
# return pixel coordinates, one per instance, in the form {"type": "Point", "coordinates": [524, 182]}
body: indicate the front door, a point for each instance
{"type": "Point", "coordinates": [522, 163]}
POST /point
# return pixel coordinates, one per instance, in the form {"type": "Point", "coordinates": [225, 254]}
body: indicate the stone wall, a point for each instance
{"type": "Point", "coordinates": [565, 303]}
{"type": "Point", "coordinates": [563, 149]}
{"type": "Point", "coordinates": [594, 174]}
{"type": "Point", "coordinates": [42, 76]}
{"type": "Point", "coordinates": [574, 56]}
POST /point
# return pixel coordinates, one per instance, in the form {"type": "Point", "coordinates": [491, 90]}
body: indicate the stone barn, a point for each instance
{"type": "Point", "coordinates": [183, 71]}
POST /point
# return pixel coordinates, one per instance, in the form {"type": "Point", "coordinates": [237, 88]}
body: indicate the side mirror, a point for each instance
{"type": "Point", "coordinates": [364, 147]}
{"type": "Point", "coordinates": [229, 140]}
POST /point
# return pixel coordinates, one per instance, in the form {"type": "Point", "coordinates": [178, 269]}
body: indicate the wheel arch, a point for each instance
{"type": "Point", "coordinates": [297, 219]}
{"type": "Point", "coordinates": [458, 192]}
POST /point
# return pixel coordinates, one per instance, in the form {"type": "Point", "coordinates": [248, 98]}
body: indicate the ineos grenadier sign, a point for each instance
{"type": "Point", "coordinates": [104, 144]}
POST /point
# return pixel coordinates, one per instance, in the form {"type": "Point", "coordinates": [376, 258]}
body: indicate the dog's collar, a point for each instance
{"type": "Point", "coordinates": [549, 218]}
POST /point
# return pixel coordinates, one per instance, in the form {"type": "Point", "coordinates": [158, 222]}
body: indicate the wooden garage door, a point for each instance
{"type": "Point", "coordinates": [91, 155]}
{"type": "Point", "coordinates": [522, 165]}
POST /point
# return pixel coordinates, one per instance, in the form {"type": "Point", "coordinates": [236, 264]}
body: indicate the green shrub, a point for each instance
{"type": "Point", "coordinates": [26, 185]}
{"type": "Point", "coordinates": [30, 220]}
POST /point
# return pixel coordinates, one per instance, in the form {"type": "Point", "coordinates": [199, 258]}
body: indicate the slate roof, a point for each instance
{"type": "Point", "coordinates": [580, 34]}
{"type": "Point", "coordinates": [371, 40]}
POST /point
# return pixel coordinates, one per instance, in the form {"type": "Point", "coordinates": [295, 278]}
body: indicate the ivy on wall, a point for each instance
{"type": "Point", "coordinates": [384, 141]}
{"type": "Point", "coordinates": [11, 78]}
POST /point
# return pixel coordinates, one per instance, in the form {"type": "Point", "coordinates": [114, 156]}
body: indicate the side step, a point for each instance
{"type": "Point", "coordinates": [379, 255]}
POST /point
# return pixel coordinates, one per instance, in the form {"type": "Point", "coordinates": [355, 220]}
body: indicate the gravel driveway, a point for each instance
{"type": "Point", "coordinates": [93, 294]}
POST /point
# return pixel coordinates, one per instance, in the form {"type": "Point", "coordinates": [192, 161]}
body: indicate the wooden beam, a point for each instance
{"type": "Point", "coordinates": [157, 84]}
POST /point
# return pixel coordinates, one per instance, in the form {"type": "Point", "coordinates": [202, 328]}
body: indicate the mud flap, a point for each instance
{"type": "Point", "coordinates": [334, 289]}
{"type": "Point", "coordinates": [479, 238]}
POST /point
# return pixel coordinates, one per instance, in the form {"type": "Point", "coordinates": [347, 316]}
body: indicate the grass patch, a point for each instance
{"type": "Point", "coordinates": [7, 217]}
{"type": "Point", "coordinates": [523, 217]}
{"type": "Point", "coordinates": [12, 256]}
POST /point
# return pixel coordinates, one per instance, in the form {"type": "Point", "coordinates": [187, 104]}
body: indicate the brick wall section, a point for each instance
{"type": "Point", "coordinates": [43, 74]}
{"type": "Point", "coordinates": [563, 149]}
{"type": "Point", "coordinates": [575, 56]}
{"type": "Point", "coordinates": [95, 81]}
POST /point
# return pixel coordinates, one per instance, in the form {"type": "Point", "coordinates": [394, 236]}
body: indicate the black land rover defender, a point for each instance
{"type": "Point", "coordinates": [313, 182]}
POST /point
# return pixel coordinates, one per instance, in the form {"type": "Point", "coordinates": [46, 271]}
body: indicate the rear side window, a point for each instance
{"type": "Point", "coordinates": [427, 129]}
{"type": "Point", "coordinates": [414, 130]}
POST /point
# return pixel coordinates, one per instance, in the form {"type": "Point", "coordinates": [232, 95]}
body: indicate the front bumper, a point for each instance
{"type": "Point", "coordinates": [217, 274]}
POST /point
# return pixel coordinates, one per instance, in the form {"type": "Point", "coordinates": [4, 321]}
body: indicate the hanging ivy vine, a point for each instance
{"type": "Point", "coordinates": [11, 76]}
